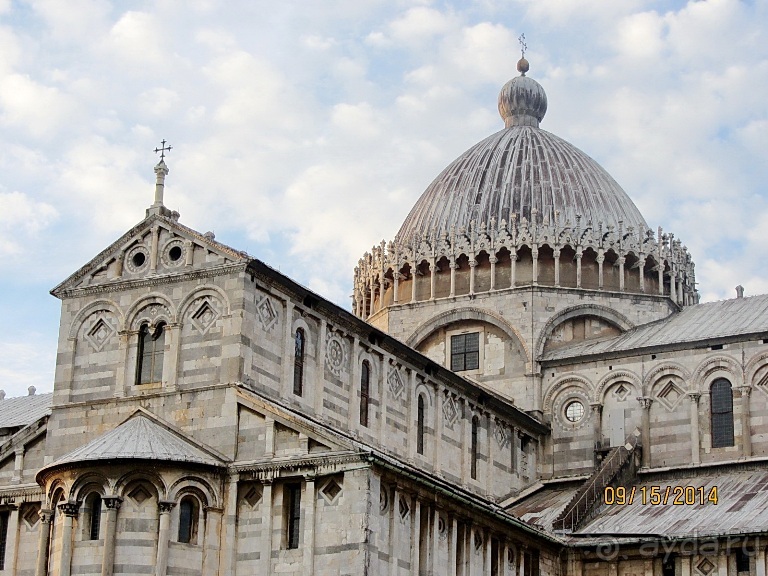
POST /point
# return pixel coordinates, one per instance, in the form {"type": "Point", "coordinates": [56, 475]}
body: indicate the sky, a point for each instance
{"type": "Point", "coordinates": [303, 131]}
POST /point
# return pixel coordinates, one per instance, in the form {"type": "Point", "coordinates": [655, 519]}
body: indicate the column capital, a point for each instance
{"type": "Point", "coordinates": [69, 509]}
{"type": "Point", "coordinates": [645, 402]}
{"type": "Point", "coordinates": [165, 506]}
{"type": "Point", "coordinates": [112, 502]}
{"type": "Point", "coordinates": [694, 397]}
{"type": "Point", "coordinates": [45, 515]}
{"type": "Point", "coordinates": [745, 390]}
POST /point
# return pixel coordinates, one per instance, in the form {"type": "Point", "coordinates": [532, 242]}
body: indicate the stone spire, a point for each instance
{"type": "Point", "coordinates": [161, 171]}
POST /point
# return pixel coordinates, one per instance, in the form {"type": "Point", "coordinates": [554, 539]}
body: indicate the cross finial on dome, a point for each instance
{"type": "Point", "coordinates": [522, 64]}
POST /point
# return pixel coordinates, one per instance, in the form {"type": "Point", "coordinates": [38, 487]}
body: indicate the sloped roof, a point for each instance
{"type": "Point", "coordinates": [24, 410]}
{"type": "Point", "coordinates": [742, 507]}
{"type": "Point", "coordinates": [701, 322]}
{"type": "Point", "coordinates": [545, 505]}
{"type": "Point", "coordinates": [141, 438]}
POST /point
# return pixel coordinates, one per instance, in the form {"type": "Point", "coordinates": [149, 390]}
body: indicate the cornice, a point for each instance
{"type": "Point", "coordinates": [122, 285]}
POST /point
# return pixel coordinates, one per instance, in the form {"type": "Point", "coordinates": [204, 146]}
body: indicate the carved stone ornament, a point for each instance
{"type": "Point", "coordinates": [450, 411]}
{"type": "Point", "coordinates": [500, 433]}
{"type": "Point", "coordinates": [173, 253]}
{"type": "Point", "coordinates": [335, 353]}
{"type": "Point", "coordinates": [267, 313]}
{"type": "Point", "coordinates": [137, 259]}
{"type": "Point", "coordinates": [100, 331]}
{"type": "Point", "coordinates": [152, 314]}
{"type": "Point", "coordinates": [205, 314]}
{"type": "Point", "coordinates": [395, 381]}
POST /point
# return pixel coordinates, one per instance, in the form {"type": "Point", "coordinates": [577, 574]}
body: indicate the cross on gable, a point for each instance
{"type": "Point", "coordinates": [163, 149]}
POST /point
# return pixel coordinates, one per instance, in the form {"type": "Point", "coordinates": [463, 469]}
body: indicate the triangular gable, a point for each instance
{"type": "Point", "coordinates": [118, 262]}
{"type": "Point", "coordinates": [318, 436]}
{"type": "Point", "coordinates": [142, 436]}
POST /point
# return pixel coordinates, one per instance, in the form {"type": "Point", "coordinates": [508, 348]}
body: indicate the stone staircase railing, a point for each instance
{"type": "Point", "coordinates": [587, 500]}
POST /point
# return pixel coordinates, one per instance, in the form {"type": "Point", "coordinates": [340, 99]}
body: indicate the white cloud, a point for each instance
{"type": "Point", "coordinates": [20, 218]}
{"type": "Point", "coordinates": [26, 361]}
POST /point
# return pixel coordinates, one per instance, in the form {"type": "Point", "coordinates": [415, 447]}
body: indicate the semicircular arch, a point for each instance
{"type": "Point", "coordinates": [91, 308]}
{"type": "Point", "coordinates": [615, 377]}
{"type": "Point", "coordinates": [563, 383]}
{"type": "Point", "coordinates": [603, 312]}
{"type": "Point", "coordinates": [135, 314]}
{"type": "Point", "coordinates": [426, 328]}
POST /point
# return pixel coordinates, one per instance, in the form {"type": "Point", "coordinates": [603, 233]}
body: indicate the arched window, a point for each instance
{"type": "Point", "coordinates": [420, 424]}
{"type": "Point", "coordinates": [150, 355]}
{"type": "Point", "coordinates": [721, 398]}
{"type": "Point", "coordinates": [473, 455]}
{"type": "Point", "coordinates": [93, 507]}
{"type": "Point", "coordinates": [188, 515]}
{"type": "Point", "coordinates": [365, 391]}
{"type": "Point", "coordinates": [298, 362]}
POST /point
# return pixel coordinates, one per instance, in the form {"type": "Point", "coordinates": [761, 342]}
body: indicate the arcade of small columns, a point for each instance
{"type": "Point", "coordinates": [71, 510]}
{"type": "Point", "coordinates": [470, 547]}
{"type": "Point", "coordinates": [741, 410]}
{"type": "Point", "coordinates": [488, 260]}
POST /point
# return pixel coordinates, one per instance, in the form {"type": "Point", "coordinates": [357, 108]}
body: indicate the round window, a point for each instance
{"type": "Point", "coordinates": [574, 411]}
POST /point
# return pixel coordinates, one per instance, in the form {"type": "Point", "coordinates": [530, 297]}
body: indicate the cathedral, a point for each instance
{"type": "Point", "coordinates": [526, 385]}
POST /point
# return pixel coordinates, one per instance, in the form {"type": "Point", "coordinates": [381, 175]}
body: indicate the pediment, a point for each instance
{"type": "Point", "coordinates": [156, 246]}
{"type": "Point", "coordinates": [291, 436]}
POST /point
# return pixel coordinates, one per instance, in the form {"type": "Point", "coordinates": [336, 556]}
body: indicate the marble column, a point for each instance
{"type": "Point", "coordinates": [578, 267]}
{"type": "Point", "coordinates": [535, 261]}
{"type": "Point", "coordinates": [556, 254]}
{"type": "Point", "coordinates": [760, 562]}
{"type": "Point", "coordinates": [310, 498]}
{"type": "Point", "coordinates": [513, 268]}
{"type": "Point", "coordinates": [472, 267]}
{"type": "Point", "coordinates": [452, 536]}
{"type": "Point", "coordinates": [488, 551]}
{"type": "Point", "coordinates": [452, 266]}
{"type": "Point", "coordinates": [432, 278]}
{"type": "Point", "coordinates": [694, 398]}
{"type": "Point", "coordinates": [493, 260]}
{"type": "Point", "coordinates": [289, 346]}
{"type": "Point", "coordinates": [396, 286]}
{"type": "Point", "coordinates": [597, 424]}
{"type": "Point", "coordinates": [163, 537]}
{"type": "Point", "coordinates": [112, 505]}
{"type": "Point", "coordinates": [641, 271]}
{"type": "Point", "coordinates": [18, 466]}
{"type": "Point", "coordinates": [265, 554]}
{"type": "Point", "coordinates": [621, 260]}
{"type": "Point", "coordinates": [211, 541]}
{"type": "Point", "coordinates": [415, 534]}
{"type": "Point", "coordinates": [69, 509]}
{"type": "Point", "coordinates": [434, 566]}
{"type": "Point", "coordinates": [645, 429]}
{"type": "Point", "coordinates": [12, 539]}
{"type": "Point", "coordinates": [394, 530]}
{"type": "Point", "coordinates": [685, 566]}
{"type": "Point", "coordinates": [43, 543]}
{"type": "Point", "coordinates": [746, 432]}
{"type": "Point", "coordinates": [600, 260]}
{"type": "Point", "coordinates": [672, 288]}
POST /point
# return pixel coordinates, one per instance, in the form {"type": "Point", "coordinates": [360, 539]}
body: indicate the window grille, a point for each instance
{"type": "Point", "coordinates": [465, 352]}
{"type": "Point", "coordinates": [298, 363]}
{"type": "Point", "coordinates": [722, 413]}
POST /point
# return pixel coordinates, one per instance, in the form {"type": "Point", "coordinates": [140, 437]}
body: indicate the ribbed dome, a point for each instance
{"type": "Point", "coordinates": [512, 172]}
{"type": "Point", "coordinates": [517, 170]}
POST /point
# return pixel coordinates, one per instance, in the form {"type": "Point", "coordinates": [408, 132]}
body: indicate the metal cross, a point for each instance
{"type": "Point", "coordinates": [163, 149]}
{"type": "Point", "coordinates": [523, 45]}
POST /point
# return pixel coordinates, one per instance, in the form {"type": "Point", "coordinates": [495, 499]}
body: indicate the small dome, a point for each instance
{"type": "Point", "coordinates": [517, 172]}
{"type": "Point", "coordinates": [522, 100]}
